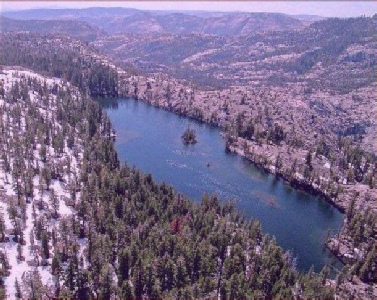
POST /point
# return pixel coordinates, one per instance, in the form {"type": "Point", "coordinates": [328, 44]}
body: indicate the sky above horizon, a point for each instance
{"type": "Point", "coordinates": [321, 8]}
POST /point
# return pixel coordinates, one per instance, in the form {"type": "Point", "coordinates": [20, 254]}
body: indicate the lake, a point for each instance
{"type": "Point", "coordinates": [149, 138]}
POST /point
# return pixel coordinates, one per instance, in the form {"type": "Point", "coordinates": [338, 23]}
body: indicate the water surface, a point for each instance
{"type": "Point", "coordinates": [150, 139]}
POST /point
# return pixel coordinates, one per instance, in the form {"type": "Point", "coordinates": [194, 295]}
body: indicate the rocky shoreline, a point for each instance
{"type": "Point", "coordinates": [296, 182]}
{"type": "Point", "coordinates": [263, 156]}
{"type": "Point", "coordinates": [282, 160]}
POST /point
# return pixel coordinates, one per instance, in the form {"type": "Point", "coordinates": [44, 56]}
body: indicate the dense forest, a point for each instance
{"type": "Point", "coordinates": [61, 57]}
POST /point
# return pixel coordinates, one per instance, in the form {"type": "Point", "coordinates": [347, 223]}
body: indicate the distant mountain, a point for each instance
{"type": "Point", "coordinates": [311, 18]}
{"type": "Point", "coordinates": [324, 53]}
{"type": "Point", "coordinates": [125, 20]}
{"type": "Point", "coordinates": [53, 14]}
{"type": "Point", "coordinates": [74, 28]}
{"type": "Point", "coordinates": [227, 24]}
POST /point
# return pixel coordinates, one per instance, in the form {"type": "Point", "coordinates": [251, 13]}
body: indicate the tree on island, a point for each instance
{"type": "Point", "coordinates": [189, 136]}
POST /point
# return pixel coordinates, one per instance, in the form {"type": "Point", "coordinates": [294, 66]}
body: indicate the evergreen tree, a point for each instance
{"type": "Point", "coordinates": [45, 247]}
{"type": "Point", "coordinates": [17, 287]}
{"type": "Point", "coordinates": [127, 292]}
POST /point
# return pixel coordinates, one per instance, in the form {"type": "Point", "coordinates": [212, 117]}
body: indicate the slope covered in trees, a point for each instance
{"type": "Point", "coordinates": [62, 57]}
{"type": "Point", "coordinates": [318, 56]}
{"type": "Point", "coordinates": [77, 29]}
{"type": "Point", "coordinates": [356, 245]}
{"type": "Point", "coordinates": [99, 229]}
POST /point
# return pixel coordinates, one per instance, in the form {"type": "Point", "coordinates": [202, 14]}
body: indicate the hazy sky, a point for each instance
{"type": "Point", "coordinates": [322, 8]}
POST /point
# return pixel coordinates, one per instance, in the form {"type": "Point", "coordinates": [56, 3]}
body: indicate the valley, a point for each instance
{"type": "Point", "coordinates": [293, 95]}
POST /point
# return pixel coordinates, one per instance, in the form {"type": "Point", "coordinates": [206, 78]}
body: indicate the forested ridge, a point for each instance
{"type": "Point", "coordinates": [62, 57]}
{"type": "Point", "coordinates": [77, 29]}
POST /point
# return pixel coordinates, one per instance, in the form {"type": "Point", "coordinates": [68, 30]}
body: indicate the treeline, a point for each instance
{"type": "Point", "coordinates": [361, 227]}
{"type": "Point", "coordinates": [356, 245]}
{"type": "Point", "coordinates": [42, 128]}
{"type": "Point", "coordinates": [348, 161]}
{"type": "Point", "coordinates": [61, 57]}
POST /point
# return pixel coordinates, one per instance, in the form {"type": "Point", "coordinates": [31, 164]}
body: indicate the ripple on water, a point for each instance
{"type": "Point", "coordinates": [178, 165]}
{"type": "Point", "coordinates": [186, 152]}
{"type": "Point", "coordinates": [267, 199]}
{"type": "Point", "coordinates": [126, 136]}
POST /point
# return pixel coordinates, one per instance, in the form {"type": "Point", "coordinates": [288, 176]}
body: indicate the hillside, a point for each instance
{"type": "Point", "coordinates": [41, 157]}
{"type": "Point", "coordinates": [63, 57]}
{"type": "Point", "coordinates": [71, 28]}
{"type": "Point", "coordinates": [317, 55]}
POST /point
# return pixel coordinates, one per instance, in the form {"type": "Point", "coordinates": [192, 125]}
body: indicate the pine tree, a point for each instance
{"type": "Point", "coordinates": [19, 252]}
{"type": "Point", "coordinates": [83, 287]}
{"type": "Point", "coordinates": [33, 284]}
{"type": "Point", "coordinates": [308, 159]}
{"type": "Point", "coordinates": [55, 265]}
{"type": "Point", "coordinates": [123, 265]}
{"type": "Point", "coordinates": [181, 277]}
{"type": "Point", "coordinates": [45, 240]}
{"type": "Point", "coordinates": [2, 227]}
{"type": "Point", "coordinates": [17, 287]}
{"type": "Point", "coordinates": [127, 292]}
{"type": "Point", "coordinates": [368, 270]}
{"type": "Point", "coordinates": [106, 288]}
{"type": "Point", "coordinates": [46, 175]}
{"type": "Point", "coordinates": [139, 281]}
{"type": "Point", "coordinates": [54, 202]}
{"type": "Point", "coordinates": [71, 276]}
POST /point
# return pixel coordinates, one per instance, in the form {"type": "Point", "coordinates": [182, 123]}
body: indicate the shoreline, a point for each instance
{"type": "Point", "coordinates": [295, 183]}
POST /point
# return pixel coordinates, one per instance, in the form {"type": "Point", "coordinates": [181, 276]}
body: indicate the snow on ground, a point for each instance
{"type": "Point", "coordinates": [20, 266]}
{"type": "Point", "coordinates": [13, 74]}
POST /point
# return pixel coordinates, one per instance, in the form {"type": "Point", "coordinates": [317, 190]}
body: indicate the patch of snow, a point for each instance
{"type": "Point", "coordinates": [7, 193]}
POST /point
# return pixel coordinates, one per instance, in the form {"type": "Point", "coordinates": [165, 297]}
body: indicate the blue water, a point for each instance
{"type": "Point", "coordinates": [150, 139]}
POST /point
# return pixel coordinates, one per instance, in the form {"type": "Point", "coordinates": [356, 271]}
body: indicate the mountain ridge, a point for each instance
{"type": "Point", "coordinates": [125, 20]}
{"type": "Point", "coordinates": [73, 28]}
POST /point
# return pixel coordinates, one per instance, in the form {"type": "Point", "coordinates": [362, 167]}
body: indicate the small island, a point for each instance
{"type": "Point", "coordinates": [189, 136]}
